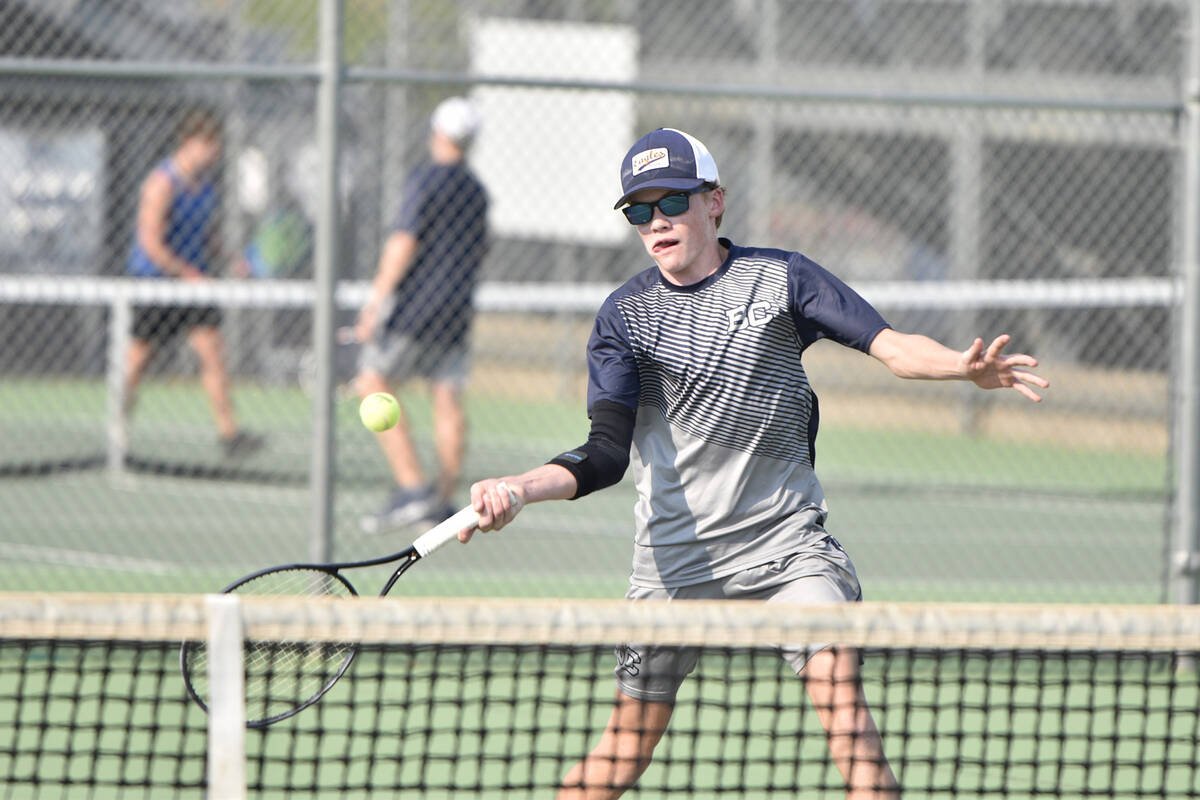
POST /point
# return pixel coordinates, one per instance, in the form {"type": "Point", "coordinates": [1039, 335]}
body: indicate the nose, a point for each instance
{"type": "Point", "coordinates": [659, 220]}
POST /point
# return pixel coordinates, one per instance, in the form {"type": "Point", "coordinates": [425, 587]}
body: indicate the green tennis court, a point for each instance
{"type": "Point", "coordinates": [924, 515]}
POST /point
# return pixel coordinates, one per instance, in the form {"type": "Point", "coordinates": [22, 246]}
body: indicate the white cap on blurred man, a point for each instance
{"type": "Point", "coordinates": [457, 120]}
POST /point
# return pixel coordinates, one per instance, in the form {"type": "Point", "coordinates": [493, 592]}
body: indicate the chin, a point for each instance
{"type": "Point", "coordinates": [670, 260]}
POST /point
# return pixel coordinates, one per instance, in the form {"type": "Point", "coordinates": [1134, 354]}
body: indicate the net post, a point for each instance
{"type": "Point", "coordinates": [227, 699]}
{"type": "Point", "coordinates": [120, 320]}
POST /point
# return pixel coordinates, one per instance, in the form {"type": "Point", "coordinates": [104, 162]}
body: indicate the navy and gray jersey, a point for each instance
{"type": "Point", "coordinates": [726, 422]}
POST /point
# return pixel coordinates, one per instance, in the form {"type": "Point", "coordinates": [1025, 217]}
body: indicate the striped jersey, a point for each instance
{"type": "Point", "coordinates": [726, 422]}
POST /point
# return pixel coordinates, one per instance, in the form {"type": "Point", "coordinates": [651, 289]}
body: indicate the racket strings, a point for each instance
{"type": "Point", "coordinates": [281, 677]}
{"type": "Point", "coordinates": [293, 581]}
{"type": "Point", "coordinates": [284, 676]}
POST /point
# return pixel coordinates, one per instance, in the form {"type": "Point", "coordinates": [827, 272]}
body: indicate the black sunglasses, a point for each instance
{"type": "Point", "coordinates": [672, 205]}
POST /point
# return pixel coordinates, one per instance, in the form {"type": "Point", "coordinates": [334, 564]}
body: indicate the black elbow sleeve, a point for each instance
{"type": "Point", "coordinates": [602, 460]}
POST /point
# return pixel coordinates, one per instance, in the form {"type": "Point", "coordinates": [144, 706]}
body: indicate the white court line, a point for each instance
{"type": "Point", "coordinates": [83, 558]}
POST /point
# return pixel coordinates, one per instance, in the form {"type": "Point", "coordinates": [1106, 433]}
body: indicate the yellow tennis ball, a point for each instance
{"type": "Point", "coordinates": [379, 411]}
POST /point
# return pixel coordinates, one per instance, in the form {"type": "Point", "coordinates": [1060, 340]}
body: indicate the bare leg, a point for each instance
{"type": "Point", "coordinates": [450, 431]}
{"type": "Point", "coordinates": [396, 442]}
{"type": "Point", "coordinates": [206, 341]}
{"type": "Point", "coordinates": [623, 753]}
{"type": "Point", "coordinates": [832, 680]}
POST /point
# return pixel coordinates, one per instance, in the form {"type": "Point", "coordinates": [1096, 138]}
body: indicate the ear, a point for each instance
{"type": "Point", "coordinates": [716, 203]}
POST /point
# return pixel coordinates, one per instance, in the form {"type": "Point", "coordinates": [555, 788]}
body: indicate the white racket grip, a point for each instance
{"type": "Point", "coordinates": [467, 517]}
{"type": "Point", "coordinates": [446, 530]}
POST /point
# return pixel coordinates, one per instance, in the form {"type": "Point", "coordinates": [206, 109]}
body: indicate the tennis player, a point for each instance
{"type": "Point", "coordinates": [695, 373]}
{"type": "Point", "coordinates": [176, 237]}
{"type": "Point", "coordinates": [417, 319]}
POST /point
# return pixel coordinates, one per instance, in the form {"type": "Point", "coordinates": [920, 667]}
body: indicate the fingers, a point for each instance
{"type": "Point", "coordinates": [496, 503]}
{"type": "Point", "coordinates": [972, 353]}
{"type": "Point", "coordinates": [1021, 381]}
{"type": "Point", "coordinates": [1020, 360]}
{"type": "Point", "coordinates": [1029, 377]}
{"type": "Point", "coordinates": [998, 344]}
{"type": "Point", "coordinates": [1025, 390]}
{"type": "Point", "coordinates": [362, 330]}
{"type": "Point", "coordinates": [991, 370]}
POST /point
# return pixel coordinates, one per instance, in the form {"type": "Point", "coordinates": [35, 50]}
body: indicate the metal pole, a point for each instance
{"type": "Point", "coordinates": [762, 153]}
{"type": "Point", "coordinates": [396, 115]}
{"type": "Point", "coordinates": [1186, 437]}
{"type": "Point", "coordinates": [324, 263]}
{"type": "Point", "coordinates": [966, 202]}
{"type": "Point", "coordinates": [234, 228]}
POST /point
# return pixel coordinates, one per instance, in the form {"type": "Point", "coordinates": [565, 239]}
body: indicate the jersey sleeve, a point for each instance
{"type": "Point", "coordinates": [413, 203]}
{"type": "Point", "coordinates": [612, 366]}
{"type": "Point", "coordinates": [824, 307]}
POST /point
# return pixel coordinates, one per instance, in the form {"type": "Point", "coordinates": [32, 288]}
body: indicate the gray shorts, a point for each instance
{"type": "Point", "coordinates": [821, 575]}
{"type": "Point", "coordinates": [400, 358]}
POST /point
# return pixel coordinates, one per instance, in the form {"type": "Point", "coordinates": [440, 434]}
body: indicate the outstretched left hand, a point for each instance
{"type": "Point", "coordinates": [988, 369]}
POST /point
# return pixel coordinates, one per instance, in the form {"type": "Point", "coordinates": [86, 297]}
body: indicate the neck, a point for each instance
{"type": "Point", "coordinates": [185, 166]}
{"type": "Point", "coordinates": [444, 151]}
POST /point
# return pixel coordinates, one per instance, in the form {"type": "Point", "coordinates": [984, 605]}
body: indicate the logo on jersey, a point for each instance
{"type": "Point", "coordinates": [628, 660]}
{"type": "Point", "coordinates": [654, 158]}
{"type": "Point", "coordinates": [754, 315]}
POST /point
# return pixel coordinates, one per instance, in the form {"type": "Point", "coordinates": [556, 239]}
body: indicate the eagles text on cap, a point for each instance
{"type": "Point", "coordinates": [666, 159]}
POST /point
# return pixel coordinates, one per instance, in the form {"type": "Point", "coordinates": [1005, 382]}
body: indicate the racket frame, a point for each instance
{"type": "Point", "coordinates": [425, 544]}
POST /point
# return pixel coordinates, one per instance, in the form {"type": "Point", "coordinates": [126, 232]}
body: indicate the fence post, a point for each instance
{"type": "Point", "coordinates": [325, 257]}
{"type": "Point", "coordinates": [966, 214]}
{"type": "Point", "coordinates": [1185, 556]}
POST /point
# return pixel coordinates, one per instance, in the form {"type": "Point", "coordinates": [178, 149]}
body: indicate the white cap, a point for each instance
{"type": "Point", "coordinates": [456, 119]}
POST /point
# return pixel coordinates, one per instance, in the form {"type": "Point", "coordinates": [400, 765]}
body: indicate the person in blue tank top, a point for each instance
{"type": "Point", "coordinates": [695, 379]}
{"type": "Point", "coordinates": [417, 318]}
{"type": "Point", "coordinates": [175, 238]}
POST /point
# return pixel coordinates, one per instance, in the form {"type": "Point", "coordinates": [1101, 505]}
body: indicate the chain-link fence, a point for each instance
{"type": "Point", "coordinates": [973, 167]}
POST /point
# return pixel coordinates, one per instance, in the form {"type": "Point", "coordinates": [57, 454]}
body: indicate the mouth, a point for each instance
{"type": "Point", "coordinates": [663, 245]}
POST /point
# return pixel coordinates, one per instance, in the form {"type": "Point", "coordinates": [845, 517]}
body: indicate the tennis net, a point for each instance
{"type": "Point", "coordinates": [501, 698]}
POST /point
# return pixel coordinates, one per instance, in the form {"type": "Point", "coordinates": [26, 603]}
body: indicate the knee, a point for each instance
{"type": "Point", "coordinates": [605, 775]}
{"type": "Point", "coordinates": [626, 774]}
{"type": "Point", "coordinates": [207, 345]}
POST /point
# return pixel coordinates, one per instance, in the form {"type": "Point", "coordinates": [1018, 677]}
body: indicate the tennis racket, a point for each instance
{"type": "Point", "coordinates": [284, 678]}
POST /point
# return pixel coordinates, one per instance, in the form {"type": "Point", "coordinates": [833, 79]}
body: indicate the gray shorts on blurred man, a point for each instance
{"type": "Point", "coordinates": [400, 358]}
{"type": "Point", "coordinates": [819, 575]}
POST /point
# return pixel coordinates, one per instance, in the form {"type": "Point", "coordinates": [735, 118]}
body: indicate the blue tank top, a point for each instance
{"type": "Point", "coordinates": [189, 216]}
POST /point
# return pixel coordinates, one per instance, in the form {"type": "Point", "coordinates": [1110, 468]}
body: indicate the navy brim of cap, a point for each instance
{"type": "Point", "coordinates": [662, 183]}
